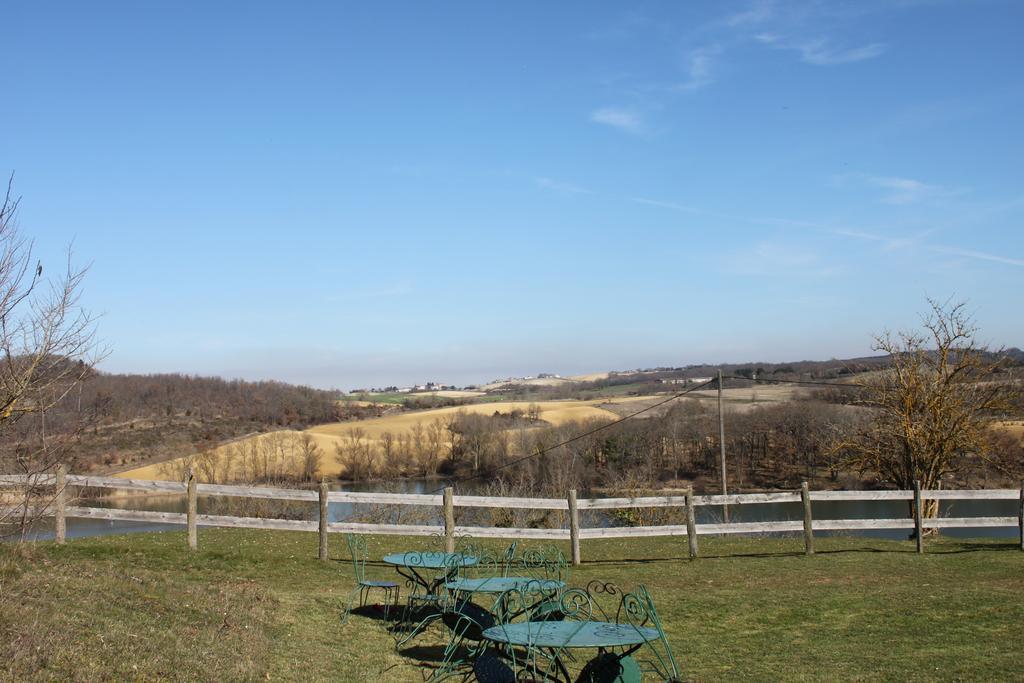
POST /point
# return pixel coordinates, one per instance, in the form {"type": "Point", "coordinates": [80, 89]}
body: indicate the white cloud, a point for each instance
{"type": "Point", "coordinates": [699, 69]}
{"type": "Point", "coordinates": [624, 119]}
{"type": "Point", "coordinates": [903, 190]}
{"type": "Point", "coordinates": [768, 259]}
{"type": "Point", "coordinates": [561, 186]}
{"type": "Point", "coordinates": [888, 243]}
{"type": "Point", "coordinates": [757, 13]}
{"type": "Point", "coordinates": [892, 243]}
{"type": "Point", "coordinates": [980, 255]}
{"type": "Point", "coordinates": [759, 220]}
{"type": "Point", "coordinates": [668, 205]}
{"type": "Point", "coordinates": [821, 51]}
{"type": "Point", "coordinates": [895, 190]}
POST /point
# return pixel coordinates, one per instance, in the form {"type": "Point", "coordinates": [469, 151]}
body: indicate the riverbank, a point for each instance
{"type": "Point", "coordinates": [258, 605]}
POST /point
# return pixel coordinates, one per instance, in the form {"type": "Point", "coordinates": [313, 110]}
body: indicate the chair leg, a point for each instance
{"type": "Point", "coordinates": [348, 606]}
{"type": "Point", "coordinates": [418, 629]}
{"type": "Point", "coordinates": [387, 603]}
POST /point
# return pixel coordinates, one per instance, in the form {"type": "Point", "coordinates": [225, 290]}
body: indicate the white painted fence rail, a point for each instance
{"type": "Point", "coordinates": [570, 504]}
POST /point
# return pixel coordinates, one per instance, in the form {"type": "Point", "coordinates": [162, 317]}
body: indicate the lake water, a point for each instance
{"type": "Point", "coordinates": [407, 514]}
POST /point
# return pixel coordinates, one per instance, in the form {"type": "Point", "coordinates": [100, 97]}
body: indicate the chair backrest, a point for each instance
{"type": "Point", "coordinates": [357, 548]}
{"type": "Point", "coordinates": [509, 556]}
{"type": "Point", "coordinates": [545, 562]}
{"type": "Point", "coordinates": [637, 609]}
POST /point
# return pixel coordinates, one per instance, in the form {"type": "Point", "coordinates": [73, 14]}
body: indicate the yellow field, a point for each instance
{"type": "Point", "coordinates": [754, 394]}
{"type": "Point", "coordinates": [555, 412]}
{"type": "Point", "coordinates": [1015, 427]}
{"type": "Point", "coordinates": [274, 444]}
{"type": "Point", "coordinates": [592, 377]}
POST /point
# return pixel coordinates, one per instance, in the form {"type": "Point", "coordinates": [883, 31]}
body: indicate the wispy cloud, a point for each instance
{"type": "Point", "coordinates": [627, 120]}
{"type": "Point", "coordinates": [821, 51]}
{"type": "Point", "coordinates": [782, 222]}
{"type": "Point", "coordinates": [758, 12]}
{"type": "Point", "coordinates": [888, 243]}
{"type": "Point", "coordinates": [980, 255]}
{"type": "Point", "coordinates": [903, 190]}
{"type": "Point", "coordinates": [561, 186]}
{"type": "Point", "coordinates": [753, 260]}
{"type": "Point", "coordinates": [699, 69]}
{"type": "Point", "coordinates": [771, 258]}
{"type": "Point", "coordinates": [668, 205]}
{"type": "Point", "coordinates": [896, 190]}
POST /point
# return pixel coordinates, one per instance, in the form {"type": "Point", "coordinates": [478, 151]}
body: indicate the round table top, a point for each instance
{"type": "Point", "coordinates": [429, 559]}
{"type": "Point", "coordinates": [500, 584]}
{"type": "Point", "coordinates": [559, 634]}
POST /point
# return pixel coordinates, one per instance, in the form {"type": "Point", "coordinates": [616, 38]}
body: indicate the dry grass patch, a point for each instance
{"type": "Point", "coordinates": [92, 621]}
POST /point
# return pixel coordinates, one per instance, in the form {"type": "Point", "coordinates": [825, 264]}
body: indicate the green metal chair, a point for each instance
{"type": "Point", "coordinates": [627, 663]}
{"type": "Point", "coordinates": [637, 609]}
{"type": "Point", "coordinates": [466, 620]}
{"type": "Point", "coordinates": [545, 563]}
{"type": "Point", "coordinates": [357, 548]}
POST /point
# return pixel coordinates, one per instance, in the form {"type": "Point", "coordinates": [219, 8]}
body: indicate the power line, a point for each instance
{"type": "Point", "coordinates": [575, 438]}
{"type": "Point", "coordinates": [793, 381]}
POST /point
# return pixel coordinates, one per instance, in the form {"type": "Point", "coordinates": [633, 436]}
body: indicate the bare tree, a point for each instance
{"type": "Point", "coordinates": [311, 457]}
{"type": "Point", "coordinates": [933, 406]}
{"type": "Point", "coordinates": [47, 348]}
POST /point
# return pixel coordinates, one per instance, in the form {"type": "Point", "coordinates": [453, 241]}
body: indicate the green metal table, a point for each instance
{"type": "Point", "coordinates": [500, 584]}
{"type": "Point", "coordinates": [555, 636]}
{"type": "Point", "coordinates": [413, 560]}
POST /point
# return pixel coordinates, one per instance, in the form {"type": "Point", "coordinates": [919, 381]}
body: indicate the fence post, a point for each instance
{"type": "Point", "coordinates": [805, 496]}
{"type": "Point", "coordinates": [918, 521]}
{"type": "Point", "coordinates": [574, 528]}
{"type": "Point", "coordinates": [1020, 515]}
{"type": "Point", "coordinates": [691, 524]}
{"type": "Point", "coordinates": [323, 520]}
{"type": "Point", "coordinates": [190, 512]}
{"type": "Point", "coordinates": [59, 501]}
{"type": "Point", "coordinates": [449, 521]}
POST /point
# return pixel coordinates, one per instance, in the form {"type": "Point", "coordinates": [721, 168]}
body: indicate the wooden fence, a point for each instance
{"type": "Point", "coordinates": [448, 501]}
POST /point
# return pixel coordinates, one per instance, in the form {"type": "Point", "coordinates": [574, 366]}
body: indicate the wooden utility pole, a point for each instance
{"type": "Point", "coordinates": [721, 445]}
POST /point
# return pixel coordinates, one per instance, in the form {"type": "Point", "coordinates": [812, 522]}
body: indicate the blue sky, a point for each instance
{"type": "Point", "coordinates": [346, 194]}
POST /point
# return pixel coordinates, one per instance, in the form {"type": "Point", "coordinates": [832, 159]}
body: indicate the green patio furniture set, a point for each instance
{"type": "Point", "coordinates": [508, 616]}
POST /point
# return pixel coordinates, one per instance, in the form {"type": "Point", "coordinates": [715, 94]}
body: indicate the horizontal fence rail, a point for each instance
{"type": "Point", "coordinates": [60, 480]}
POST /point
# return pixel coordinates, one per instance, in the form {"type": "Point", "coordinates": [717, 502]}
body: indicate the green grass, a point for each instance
{"type": "Point", "coordinates": [394, 398]}
{"type": "Point", "coordinates": [258, 605]}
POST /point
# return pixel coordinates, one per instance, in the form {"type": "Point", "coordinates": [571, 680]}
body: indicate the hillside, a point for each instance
{"type": "Point", "coordinates": [122, 419]}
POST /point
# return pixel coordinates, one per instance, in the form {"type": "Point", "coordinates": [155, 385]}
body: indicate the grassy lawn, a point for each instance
{"type": "Point", "coordinates": [258, 605]}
